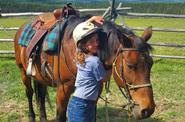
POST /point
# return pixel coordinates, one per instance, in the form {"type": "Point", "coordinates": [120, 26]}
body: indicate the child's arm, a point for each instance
{"type": "Point", "coordinates": [107, 76]}
{"type": "Point", "coordinates": [96, 20]}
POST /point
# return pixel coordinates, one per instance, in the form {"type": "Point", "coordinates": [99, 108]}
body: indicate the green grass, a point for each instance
{"type": "Point", "coordinates": [167, 77]}
{"type": "Point", "coordinates": [14, 21]}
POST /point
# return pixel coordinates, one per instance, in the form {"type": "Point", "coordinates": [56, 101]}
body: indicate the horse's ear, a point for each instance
{"type": "Point", "coordinates": [147, 34]}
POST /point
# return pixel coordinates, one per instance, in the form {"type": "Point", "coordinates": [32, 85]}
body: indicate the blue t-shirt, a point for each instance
{"type": "Point", "coordinates": [88, 76]}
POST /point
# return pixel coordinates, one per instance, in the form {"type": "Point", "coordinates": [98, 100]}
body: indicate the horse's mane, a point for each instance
{"type": "Point", "coordinates": [142, 46]}
{"type": "Point", "coordinates": [110, 36]}
{"type": "Point", "coordinates": [124, 33]}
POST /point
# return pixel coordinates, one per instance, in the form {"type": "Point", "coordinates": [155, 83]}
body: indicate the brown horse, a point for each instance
{"type": "Point", "coordinates": [135, 68]}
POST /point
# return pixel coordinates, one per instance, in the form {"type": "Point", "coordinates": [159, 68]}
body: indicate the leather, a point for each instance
{"type": "Point", "coordinates": [34, 41]}
{"type": "Point", "coordinates": [57, 13]}
{"type": "Point", "coordinates": [47, 19]}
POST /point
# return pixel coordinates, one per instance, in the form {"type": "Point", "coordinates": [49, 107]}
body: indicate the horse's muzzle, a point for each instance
{"type": "Point", "coordinates": [142, 113]}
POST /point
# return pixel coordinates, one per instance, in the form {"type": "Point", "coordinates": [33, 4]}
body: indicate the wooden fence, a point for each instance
{"type": "Point", "coordinates": [152, 15]}
{"type": "Point", "coordinates": [100, 10]}
{"type": "Point", "coordinates": [82, 11]}
{"type": "Point", "coordinates": [133, 28]}
{"type": "Point", "coordinates": [120, 12]}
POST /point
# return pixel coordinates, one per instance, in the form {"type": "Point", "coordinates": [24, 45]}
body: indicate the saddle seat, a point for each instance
{"type": "Point", "coordinates": [50, 18]}
{"type": "Point", "coordinates": [47, 19]}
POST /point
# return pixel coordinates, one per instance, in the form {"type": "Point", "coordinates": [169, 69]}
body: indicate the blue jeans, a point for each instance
{"type": "Point", "coordinates": [80, 110]}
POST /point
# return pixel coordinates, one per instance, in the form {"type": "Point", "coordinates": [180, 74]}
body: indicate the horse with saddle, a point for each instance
{"type": "Point", "coordinates": [45, 52]}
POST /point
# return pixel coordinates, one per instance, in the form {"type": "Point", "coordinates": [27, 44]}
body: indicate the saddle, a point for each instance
{"type": "Point", "coordinates": [42, 24]}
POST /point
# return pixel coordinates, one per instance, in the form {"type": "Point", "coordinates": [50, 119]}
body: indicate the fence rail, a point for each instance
{"type": "Point", "coordinates": [167, 56]}
{"type": "Point", "coordinates": [160, 29]}
{"type": "Point", "coordinates": [7, 51]}
{"type": "Point", "coordinates": [133, 28]}
{"type": "Point", "coordinates": [167, 44]}
{"type": "Point", "coordinates": [6, 40]}
{"type": "Point", "coordinates": [9, 29]}
{"type": "Point", "coordinates": [101, 10]}
{"type": "Point", "coordinates": [155, 56]}
{"type": "Point", "coordinates": [152, 43]}
{"type": "Point", "coordinates": [81, 11]}
{"type": "Point", "coordinates": [152, 15]}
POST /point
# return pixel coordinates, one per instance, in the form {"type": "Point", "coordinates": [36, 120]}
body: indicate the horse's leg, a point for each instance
{"type": "Point", "coordinates": [63, 94]}
{"type": "Point", "coordinates": [29, 94]}
{"type": "Point", "coordinates": [40, 93]}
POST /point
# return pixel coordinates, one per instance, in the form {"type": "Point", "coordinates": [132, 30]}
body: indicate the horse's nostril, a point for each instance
{"type": "Point", "coordinates": [144, 113]}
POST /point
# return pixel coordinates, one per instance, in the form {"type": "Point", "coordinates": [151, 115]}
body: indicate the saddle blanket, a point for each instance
{"type": "Point", "coordinates": [50, 42]}
{"type": "Point", "coordinates": [52, 38]}
{"type": "Point", "coordinates": [26, 35]}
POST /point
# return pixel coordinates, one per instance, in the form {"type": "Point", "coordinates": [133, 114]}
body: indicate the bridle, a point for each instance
{"type": "Point", "coordinates": [120, 74]}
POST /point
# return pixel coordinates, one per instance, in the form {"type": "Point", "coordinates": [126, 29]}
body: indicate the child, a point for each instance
{"type": "Point", "coordinates": [90, 72]}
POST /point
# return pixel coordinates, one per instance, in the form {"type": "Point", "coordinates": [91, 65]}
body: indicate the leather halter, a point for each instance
{"type": "Point", "coordinates": [120, 75]}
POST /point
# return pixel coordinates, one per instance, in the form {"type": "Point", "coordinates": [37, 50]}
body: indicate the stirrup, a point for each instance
{"type": "Point", "coordinates": [30, 71]}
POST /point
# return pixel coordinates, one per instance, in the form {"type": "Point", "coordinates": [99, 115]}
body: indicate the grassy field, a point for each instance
{"type": "Point", "coordinates": [167, 77]}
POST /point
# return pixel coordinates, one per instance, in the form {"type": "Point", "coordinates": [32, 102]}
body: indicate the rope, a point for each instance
{"type": "Point", "coordinates": [127, 107]}
{"type": "Point", "coordinates": [116, 105]}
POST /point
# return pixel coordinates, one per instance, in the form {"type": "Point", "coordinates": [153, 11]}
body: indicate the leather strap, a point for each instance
{"type": "Point", "coordinates": [34, 41]}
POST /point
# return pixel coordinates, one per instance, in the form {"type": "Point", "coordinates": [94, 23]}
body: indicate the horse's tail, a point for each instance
{"type": "Point", "coordinates": [41, 92]}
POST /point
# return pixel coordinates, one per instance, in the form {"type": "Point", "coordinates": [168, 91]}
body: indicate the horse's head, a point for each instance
{"type": "Point", "coordinates": [132, 64]}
